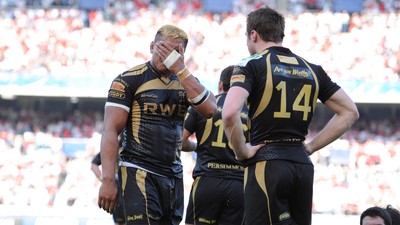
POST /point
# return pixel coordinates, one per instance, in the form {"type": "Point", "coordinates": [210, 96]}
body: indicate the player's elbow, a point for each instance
{"type": "Point", "coordinates": [228, 118]}
{"type": "Point", "coordinates": [212, 106]}
{"type": "Point", "coordinates": [94, 168]}
{"type": "Point", "coordinates": [354, 115]}
{"type": "Point", "coordinates": [207, 110]}
{"type": "Point", "coordinates": [210, 113]}
{"type": "Point", "coordinates": [351, 115]}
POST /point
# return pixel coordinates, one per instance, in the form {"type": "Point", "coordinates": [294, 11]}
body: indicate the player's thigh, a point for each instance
{"type": "Point", "coordinates": [215, 201]}
{"type": "Point", "coordinates": [268, 185]}
{"type": "Point", "coordinates": [203, 205]}
{"type": "Point", "coordinates": [151, 199]}
{"type": "Point", "coordinates": [205, 201]}
{"type": "Point", "coordinates": [301, 198]}
{"type": "Point", "coordinates": [119, 214]}
{"type": "Point", "coordinates": [119, 211]}
{"type": "Point", "coordinates": [232, 210]}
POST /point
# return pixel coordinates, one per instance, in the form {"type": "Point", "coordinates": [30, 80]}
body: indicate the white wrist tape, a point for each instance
{"type": "Point", "coordinates": [183, 74]}
{"type": "Point", "coordinates": [171, 59]}
{"type": "Point", "coordinates": [200, 98]}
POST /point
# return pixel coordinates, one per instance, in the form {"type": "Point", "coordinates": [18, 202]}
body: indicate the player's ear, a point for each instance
{"type": "Point", "coordinates": [254, 35]}
{"type": "Point", "coordinates": [152, 46]}
{"type": "Point", "coordinates": [220, 86]}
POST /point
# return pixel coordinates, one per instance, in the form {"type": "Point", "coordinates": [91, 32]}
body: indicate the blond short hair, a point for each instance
{"type": "Point", "coordinates": [172, 31]}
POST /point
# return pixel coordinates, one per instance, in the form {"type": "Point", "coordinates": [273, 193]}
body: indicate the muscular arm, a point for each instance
{"type": "Point", "coordinates": [96, 170]}
{"type": "Point", "coordinates": [234, 102]}
{"type": "Point", "coordinates": [187, 144]}
{"type": "Point", "coordinates": [191, 85]}
{"type": "Point", "coordinates": [194, 88]}
{"type": "Point", "coordinates": [346, 113]}
{"type": "Point", "coordinates": [114, 121]}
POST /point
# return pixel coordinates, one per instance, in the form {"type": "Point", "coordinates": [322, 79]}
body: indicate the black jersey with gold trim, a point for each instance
{"type": "Point", "coordinates": [215, 156]}
{"type": "Point", "coordinates": [152, 138]}
{"type": "Point", "coordinates": [283, 91]}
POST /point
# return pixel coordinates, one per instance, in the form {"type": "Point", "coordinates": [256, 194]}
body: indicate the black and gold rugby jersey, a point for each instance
{"type": "Point", "coordinates": [152, 138]}
{"type": "Point", "coordinates": [215, 157]}
{"type": "Point", "coordinates": [283, 91]}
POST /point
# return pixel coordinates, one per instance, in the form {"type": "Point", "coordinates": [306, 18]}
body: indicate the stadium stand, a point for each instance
{"type": "Point", "coordinates": [56, 61]}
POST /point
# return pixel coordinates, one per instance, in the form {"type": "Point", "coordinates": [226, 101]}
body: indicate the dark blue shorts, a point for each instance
{"type": "Point", "coordinates": [151, 199]}
{"type": "Point", "coordinates": [278, 192]}
{"type": "Point", "coordinates": [215, 200]}
{"type": "Point", "coordinates": [119, 212]}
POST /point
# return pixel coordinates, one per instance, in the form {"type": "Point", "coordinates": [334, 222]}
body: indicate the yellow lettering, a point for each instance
{"type": "Point", "coordinates": [154, 108]}
{"type": "Point", "coordinates": [225, 166]}
{"type": "Point", "coordinates": [182, 110]}
{"type": "Point", "coordinates": [166, 109]}
{"type": "Point", "coordinates": [277, 69]}
{"type": "Point", "coordinates": [150, 107]}
{"type": "Point", "coordinates": [204, 220]}
{"type": "Point", "coordinates": [287, 72]}
{"type": "Point", "coordinates": [134, 217]}
{"type": "Point", "coordinates": [301, 73]}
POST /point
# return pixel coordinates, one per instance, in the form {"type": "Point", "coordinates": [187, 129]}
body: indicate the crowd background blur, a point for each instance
{"type": "Point", "coordinates": [47, 143]}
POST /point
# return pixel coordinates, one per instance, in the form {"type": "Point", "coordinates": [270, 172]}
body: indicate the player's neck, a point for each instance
{"type": "Point", "coordinates": [265, 45]}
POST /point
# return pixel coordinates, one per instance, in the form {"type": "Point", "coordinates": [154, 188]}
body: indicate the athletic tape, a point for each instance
{"type": "Point", "coordinates": [183, 74]}
{"type": "Point", "coordinates": [171, 59]}
{"type": "Point", "coordinates": [199, 98]}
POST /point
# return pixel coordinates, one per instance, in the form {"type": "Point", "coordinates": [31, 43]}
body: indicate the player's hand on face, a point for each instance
{"type": "Point", "coordinates": [107, 199]}
{"type": "Point", "coordinates": [164, 49]}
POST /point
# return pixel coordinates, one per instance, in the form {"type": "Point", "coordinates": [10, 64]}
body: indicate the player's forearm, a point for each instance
{"type": "Point", "coordinates": [234, 132]}
{"type": "Point", "coordinates": [96, 171]}
{"type": "Point", "coordinates": [201, 98]}
{"type": "Point", "coordinates": [208, 108]}
{"type": "Point", "coordinates": [335, 128]}
{"type": "Point", "coordinates": [109, 155]}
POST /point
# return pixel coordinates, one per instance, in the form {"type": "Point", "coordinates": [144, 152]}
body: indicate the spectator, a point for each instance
{"type": "Point", "coordinates": [394, 214]}
{"type": "Point", "coordinates": [375, 216]}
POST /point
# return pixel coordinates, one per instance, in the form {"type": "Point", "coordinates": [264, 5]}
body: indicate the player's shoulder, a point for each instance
{"type": "Point", "coordinates": [245, 61]}
{"type": "Point", "coordinates": [136, 70]}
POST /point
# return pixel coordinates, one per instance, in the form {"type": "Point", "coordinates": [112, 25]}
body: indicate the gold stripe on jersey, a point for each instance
{"type": "Point", "coordinates": [316, 84]}
{"type": "Point", "coordinates": [141, 183]}
{"type": "Point", "coordinates": [187, 115]}
{"type": "Point", "coordinates": [157, 84]}
{"type": "Point", "coordinates": [195, 185]}
{"type": "Point", "coordinates": [260, 177]}
{"type": "Point", "coordinates": [267, 94]}
{"type": "Point", "coordinates": [124, 177]}
{"type": "Point", "coordinates": [207, 127]}
{"type": "Point", "coordinates": [246, 174]}
{"type": "Point", "coordinates": [207, 131]}
{"type": "Point", "coordinates": [217, 99]}
{"type": "Point", "coordinates": [264, 52]}
{"type": "Point", "coordinates": [139, 69]}
{"type": "Point", "coordinates": [136, 115]}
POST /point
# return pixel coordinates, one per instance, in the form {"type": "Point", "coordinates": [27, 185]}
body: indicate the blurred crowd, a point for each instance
{"type": "Point", "coordinates": [43, 40]}
{"type": "Point", "coordinates": [68, 42]}
{"type": "Point", "coordinates": [362, 167]}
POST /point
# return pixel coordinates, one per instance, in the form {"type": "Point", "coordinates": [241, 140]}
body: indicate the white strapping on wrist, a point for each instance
{"type": "Point", "coordinates": [171, 59]}
{"type": "Point", "coordinates": [183, 74]}
{"type": "Point", "coordinates": [200, 98]}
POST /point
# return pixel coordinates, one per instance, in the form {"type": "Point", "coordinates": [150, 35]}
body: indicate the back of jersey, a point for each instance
{"type": "Point", "coordinates": [215, 156]}
{"type": "Point", "coordinates": [283, 91]}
